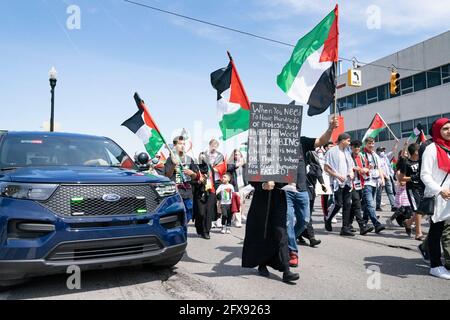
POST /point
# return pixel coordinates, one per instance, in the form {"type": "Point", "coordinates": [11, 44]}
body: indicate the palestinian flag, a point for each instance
{"type": "Point", "coordinates": [144, 127]}
{"type": "Point", "coordinates": [418, 134]}
{"type": "Point", "coordinates": [233, 106]}
{"type": "Point", "coordinates": [375, 128]}
{"type": "Point", "coordinates": [309, 76]}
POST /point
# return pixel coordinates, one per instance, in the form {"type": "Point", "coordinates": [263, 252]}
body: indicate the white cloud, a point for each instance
{"type": "Point", "coordinates": [401, 17]}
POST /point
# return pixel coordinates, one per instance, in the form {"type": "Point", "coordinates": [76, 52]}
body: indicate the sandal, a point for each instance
{"type": "Point", "coordinates": [420, 238]}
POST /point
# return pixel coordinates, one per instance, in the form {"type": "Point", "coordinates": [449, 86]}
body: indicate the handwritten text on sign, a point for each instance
{"type": "Point", "coordinates": [274, 142]}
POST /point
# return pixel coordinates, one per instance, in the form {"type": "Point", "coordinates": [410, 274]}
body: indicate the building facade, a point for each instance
{"type": "Point", "coordinates": [424, 91]}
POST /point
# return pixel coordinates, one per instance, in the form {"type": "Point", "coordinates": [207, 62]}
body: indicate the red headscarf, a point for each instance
{"type": "Point", "coordinates": [442, 144]}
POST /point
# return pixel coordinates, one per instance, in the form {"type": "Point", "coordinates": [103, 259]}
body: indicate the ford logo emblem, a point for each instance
{"type": "Point", "coordinates": [111, 197]}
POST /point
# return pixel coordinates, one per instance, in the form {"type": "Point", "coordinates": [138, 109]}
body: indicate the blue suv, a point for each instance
{"type": "Point", "coordinates": [71, 199]}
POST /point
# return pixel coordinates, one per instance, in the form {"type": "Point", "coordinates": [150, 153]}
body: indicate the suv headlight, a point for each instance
{"type": "Point", "coordinates": [30, 191]}
{"type": "Point", "coordinates": [166, 189]}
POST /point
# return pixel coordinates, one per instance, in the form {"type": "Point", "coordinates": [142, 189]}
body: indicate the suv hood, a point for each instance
{"type": "Point", "coordinates": [82, 175]}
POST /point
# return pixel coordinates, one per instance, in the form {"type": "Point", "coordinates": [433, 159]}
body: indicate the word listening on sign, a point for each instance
{"type": "Point", "coordinates": [274, 142]}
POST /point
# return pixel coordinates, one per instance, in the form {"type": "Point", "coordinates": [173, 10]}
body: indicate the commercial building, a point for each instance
{"type": "Point", "coordinates": [424, 91]}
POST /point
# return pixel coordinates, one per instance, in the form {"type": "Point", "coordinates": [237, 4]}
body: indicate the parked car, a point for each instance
{"type": "Point", "coordinates": [71, 199]}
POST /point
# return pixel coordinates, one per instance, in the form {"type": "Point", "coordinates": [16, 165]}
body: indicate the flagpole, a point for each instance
{"type": "Point", "coordinates": [335, 87]}
{"type": "Point", "coordinates": [387, 126]}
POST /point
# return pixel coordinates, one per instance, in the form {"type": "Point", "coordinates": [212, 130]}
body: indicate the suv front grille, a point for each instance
{"type": "Point", "coordinates": [103, 249]}
{"type": "Point", "coordinates": [87, 200]}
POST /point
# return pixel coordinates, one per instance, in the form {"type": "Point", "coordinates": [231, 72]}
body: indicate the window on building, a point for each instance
{"type": "Point", "coordinates": [433, 77]}
{"type": "Point", "coordinates": [395, 127]}
{"type": "Point", "coordinates": [361, 133]}
{"type": "Point", "coordinates": [423, 122]}
{"type": "Point", "coordinates": [361, 99]}
{"type": "Point", "coordinates": [340, 104]}
{"type": "Point", "coordinates": [372, 95]}
{"type": "Point", "coordinates": [432, 119]}
{"type": "Point", "coordinates": [350, 102]}
{"type": "Point", "coordinates": [353, 135]}
{"type": "Point", "coordinates": [447, 115]}
{"type": "Point", "coordinates": [406, 85]}
{"type": "Point", "coordinates": [407, 128]}
{"type": "Point", "coordinates": [446, 74]}
{"type": "Point", "coordinates": [383, 92]}
{"type": "Point", "coordinates": [420, 81]}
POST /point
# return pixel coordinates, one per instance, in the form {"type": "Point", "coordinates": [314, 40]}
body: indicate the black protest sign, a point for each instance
{"type": "Point", "coordinates": [274, 142]}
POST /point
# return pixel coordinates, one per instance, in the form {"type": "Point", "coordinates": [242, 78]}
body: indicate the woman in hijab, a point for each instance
{"type": "Point", "coordinates": [205, 198]}
{"type": "Point", "coordinates": [435, 175]}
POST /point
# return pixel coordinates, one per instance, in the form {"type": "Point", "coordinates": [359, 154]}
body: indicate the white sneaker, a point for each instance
{"type": "Point", "coordinates": [228, 231]}
{"type": "Point", "coordinates": [219, 223]}
{"type": "Point", "coordinates": [213, 225]}
{"type": "Point", "coordinates": [334, 220]}
{"type": "Point", "coordinates": [223, 230]}
{"type": "Point", "coordinates": [339, 214]}
{"type": "Point", "coordinates": [440, 272]}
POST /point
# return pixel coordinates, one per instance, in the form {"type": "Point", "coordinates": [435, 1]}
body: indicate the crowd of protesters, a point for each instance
{"type": "Point", "coordinates": [350, 176]}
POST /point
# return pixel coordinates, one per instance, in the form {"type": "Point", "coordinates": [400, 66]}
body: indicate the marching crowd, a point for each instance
{"type": "Point", "coordinates": [351, 176]}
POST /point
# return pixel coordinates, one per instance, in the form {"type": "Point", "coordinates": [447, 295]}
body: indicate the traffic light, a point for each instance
{"type": "Point", "coordinates": [395, 83]}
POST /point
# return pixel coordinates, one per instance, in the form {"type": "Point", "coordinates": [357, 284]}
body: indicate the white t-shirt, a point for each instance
{"type": "Point", "coordinates": [226, 192]}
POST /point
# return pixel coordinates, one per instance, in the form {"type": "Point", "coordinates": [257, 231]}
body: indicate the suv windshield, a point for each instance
{"type": "Point", "coordinates": [54, 150]}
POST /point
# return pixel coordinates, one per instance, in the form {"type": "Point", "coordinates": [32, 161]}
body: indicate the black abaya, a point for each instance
{"type": "Point", "coordinates": [273, 250]}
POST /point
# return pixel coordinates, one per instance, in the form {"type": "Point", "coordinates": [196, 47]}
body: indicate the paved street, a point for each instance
{"type": "Point", "coordinates": [337, 269]}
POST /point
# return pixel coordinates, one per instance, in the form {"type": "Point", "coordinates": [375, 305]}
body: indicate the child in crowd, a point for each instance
{"type": "Point", "coordinates": [224, 194]}
{"type": "Point", "coordinates": [402, 204]}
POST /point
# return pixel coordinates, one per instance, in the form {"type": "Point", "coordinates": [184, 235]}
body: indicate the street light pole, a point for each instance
{"type": "Point", "coordinates": [53, 78]}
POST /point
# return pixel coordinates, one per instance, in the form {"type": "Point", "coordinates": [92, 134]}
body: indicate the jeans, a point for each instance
{"type": "Point", "coordinates": [298, 216]}
{"type": "Point", "coordinates": [369, 193]}
{"type": "Point", "coordinates": [389, 191]}
{"type": "Point", "coordinates": [309, 232]}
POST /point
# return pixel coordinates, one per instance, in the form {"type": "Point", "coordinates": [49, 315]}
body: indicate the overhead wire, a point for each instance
{"type": "Point", "coordinates": [250, 34]}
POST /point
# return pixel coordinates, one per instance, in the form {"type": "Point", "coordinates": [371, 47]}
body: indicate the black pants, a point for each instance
{"type": "Point", "coordinates": [205, 213]}
{"type": "Point", "coordinates": [226, 214]}
{"type": "Point", "coordinates": [343, 199]}
{"type": "Point", "coordinates": [356, 207]}
{"type": "Point", "coordinates": [434, 243]}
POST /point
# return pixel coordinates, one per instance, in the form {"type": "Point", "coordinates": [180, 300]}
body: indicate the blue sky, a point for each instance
{"type": "Point", "coordinates": [122, 48]}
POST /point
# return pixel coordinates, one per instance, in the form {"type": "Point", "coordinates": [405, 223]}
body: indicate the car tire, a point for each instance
{"type": "Point", "coordinates": [168, 263]}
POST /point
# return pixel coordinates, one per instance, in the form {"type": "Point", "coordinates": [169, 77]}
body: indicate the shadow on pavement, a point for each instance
{"type": "Point", "coordinates": [397, 266]}
{"type": "Point", "coordinates": [54, 286]}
